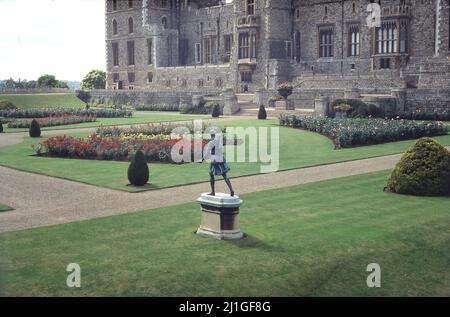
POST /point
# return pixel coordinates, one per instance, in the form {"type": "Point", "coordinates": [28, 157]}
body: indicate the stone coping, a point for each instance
{"type": "Point", "coordinates": [220, 200]}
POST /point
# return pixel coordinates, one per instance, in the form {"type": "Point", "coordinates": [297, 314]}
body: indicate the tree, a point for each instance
{"type": "Point", "coordinates": [84, 96]}
{"type": "Point", "coordinates": [31, 84]}
{"type": "Point", "coordinates": [8, 84]}
{"type": "Point", "coordinates": [138, 173]}
{"type": "Point", "coordinates": [47, 81]}
{"type": "Point", "coordinates": [1, 126]}
{"type": "Point", "coordinates": [95, 79]}
{"type": "Point", "coordinates": [61, 84]}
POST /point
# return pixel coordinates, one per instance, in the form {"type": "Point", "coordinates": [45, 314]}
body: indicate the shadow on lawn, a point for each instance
{"type": "Point", "coordinates": [250, 242]}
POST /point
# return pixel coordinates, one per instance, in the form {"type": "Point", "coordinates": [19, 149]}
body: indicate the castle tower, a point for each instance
{"type": "Point", "coordinates": [161, 26]}
{"type": "Point", "coordinates": [279, 39]}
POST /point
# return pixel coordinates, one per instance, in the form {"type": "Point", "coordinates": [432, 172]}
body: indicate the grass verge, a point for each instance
{"type": "Point", "coordinates": [308, 240]}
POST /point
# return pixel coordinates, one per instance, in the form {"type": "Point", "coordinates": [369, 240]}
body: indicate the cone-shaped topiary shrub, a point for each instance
{"type": "Point", "coordinates": [215, 111]}
{"type": "Point", "coordinates": [262, 113]}
{"type": "Point", "coordinates": [1, 127]}
{"type": "Point", "coordinates": [424, 170]}
{"type": "Point", "coordinates": [35, 129]}
{"type": "Point", "coordinates": [138, 173]}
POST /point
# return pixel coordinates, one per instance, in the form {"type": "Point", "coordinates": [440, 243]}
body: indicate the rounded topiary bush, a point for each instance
{"type": "Point", "coordinates": [262, 113]}
{"type": "Point", "coordinates": [215, 111]}
{"type": "Point", "coordinates": [424, 170]}
{"type": "Point", "coordinates": [35, 129]}
{"type": "Point", "coordinates": [138, 173]}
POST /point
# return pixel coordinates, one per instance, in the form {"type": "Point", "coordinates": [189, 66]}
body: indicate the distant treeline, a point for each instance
{"type": "Point", "coordinates": [45, 81]}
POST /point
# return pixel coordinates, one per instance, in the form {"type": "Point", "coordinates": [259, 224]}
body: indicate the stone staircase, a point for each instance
{"type": "Point", "coordinates": [250, 108]}
{"type": "Point", "coordinates": [247, 105]}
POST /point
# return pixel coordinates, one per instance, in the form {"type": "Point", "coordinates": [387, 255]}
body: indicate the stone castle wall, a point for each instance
{"type": "Point", "coordinates": [286, 46]}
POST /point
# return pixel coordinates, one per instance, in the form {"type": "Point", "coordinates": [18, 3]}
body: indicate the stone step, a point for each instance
{"type": "Point", "coordinates": [245, 97]}
{"type": "Point", "coordinates": [247, 105]}
{"type": "Point", "coordinates": [274, 113]}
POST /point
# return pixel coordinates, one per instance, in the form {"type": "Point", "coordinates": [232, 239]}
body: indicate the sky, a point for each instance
{"type": "Point", "coordinates": [65, 38]}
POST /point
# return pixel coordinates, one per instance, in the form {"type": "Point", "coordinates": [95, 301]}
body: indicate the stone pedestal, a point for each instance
{"type": "Point", "coordinates": [220, 217]}
{"type": "Point", "coordinates": [231, 105]}
{"type": "Point", "coordinates": [285, 105]}
{"type": "Point", "coordinates": [321, 106]}
{"type": "Point", "coordinates": [400, 96]}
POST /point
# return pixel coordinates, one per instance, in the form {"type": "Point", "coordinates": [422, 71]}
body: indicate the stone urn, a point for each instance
{"type": "Point", "coordinates": [285, 92]}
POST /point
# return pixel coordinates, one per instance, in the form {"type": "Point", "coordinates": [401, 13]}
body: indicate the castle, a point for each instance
{"type": "Point", "coordinates": [324, 47]}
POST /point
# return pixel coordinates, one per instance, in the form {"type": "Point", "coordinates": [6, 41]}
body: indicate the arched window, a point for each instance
{"type": "Point", "coordinates": [130, 4]}
{"type": "Point", "coordinates": [250, 7]}
{"type": "Point", "coordinates": [114, 27]}
{"type": "Point", "coordinates": [164, 22]}
{"type": "Point", "coordinates": [130, 26]}
{"type": "Point", "coordinates": [114, 5]}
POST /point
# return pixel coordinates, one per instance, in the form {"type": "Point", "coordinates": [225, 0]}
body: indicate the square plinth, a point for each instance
{"type": "Point", "coordinates": [220, 217]}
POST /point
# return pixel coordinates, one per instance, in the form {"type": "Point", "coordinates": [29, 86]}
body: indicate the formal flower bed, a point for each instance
{"type": "Point", "coordinates": [425, 115]}
{"type": "Point", "coordinates": [156, 148]}
{"type": "Point", "coordinates": [52, 112]}
{"type": "Point", "coordinates": [148, 129]}
{"type": "Point", "coordinates": [158, 107]}
{"type": "Point", "coordinates": [356, 132]}
{"type": "Point", "coordinates": [51, 121]}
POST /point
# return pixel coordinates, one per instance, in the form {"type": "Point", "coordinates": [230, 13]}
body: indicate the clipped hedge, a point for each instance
{"type": "Point", "coordinates": [157, 107]}
{"type": "Point", "coordinates": [424, 115]}
{"type": "Point", "coordinates": [356, 132]}
{"type": "Point", "coordinates": [358, 108]}
{"type": "Point", "coordinates": [7, 105]}
{"type": "Point", "coordinates": [424, 170]}
{"type": "Point", "coordinates": [52, 121]}
{"type": "Point", "coordinates": [52, 112]}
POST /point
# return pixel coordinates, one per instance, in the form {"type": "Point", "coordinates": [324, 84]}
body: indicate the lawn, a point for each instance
{"type": "Point", "coordinates": [4, 208]}
{"type": "Point", "coordinates": [309, 240]}
{"type": "Point", "coordinates": [297, 149]}
{"type": "Point", "coordinates": [44, 100]}
{"type": "Point", "coordinates": [138, 118]}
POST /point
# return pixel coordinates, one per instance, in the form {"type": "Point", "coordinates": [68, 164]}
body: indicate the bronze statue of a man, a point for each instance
{"type": "Point", "coordinates": [218, 166]}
